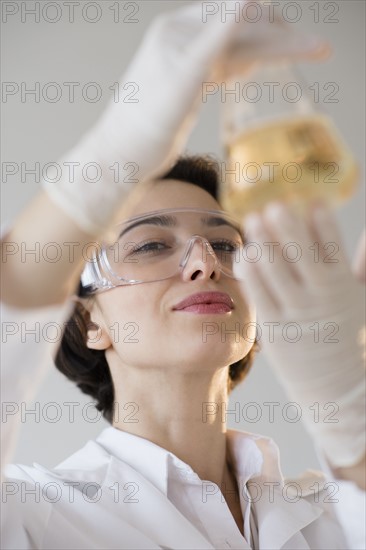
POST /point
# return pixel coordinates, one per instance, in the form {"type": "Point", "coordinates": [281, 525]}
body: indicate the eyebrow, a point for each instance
{"type": "Point", "coordinates": [162, 221]}
{"type": "Point", "coordinates": [171, 221]}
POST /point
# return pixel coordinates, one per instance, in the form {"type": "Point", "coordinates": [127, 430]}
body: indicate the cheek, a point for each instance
{"type": "Point", "coordinates": [245, 309]}
{"type": "Point", "coordinates": [123, 315]}
{"type": "Point", "coordinates": [246, 315]}
{"type": "Point", "coordinates": [133, 315]}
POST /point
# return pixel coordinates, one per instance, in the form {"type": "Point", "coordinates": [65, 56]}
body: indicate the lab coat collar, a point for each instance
{"type": "Point", "coordinates": [250, 454]}
{"type": "Point", "coordinates": [255, 459]}
{"type": "Point", "coordinates": [256, 462]}
{"type": "Point", "coordinates": [147, 458]}
{"type": "Point", "coordinates": [129, 460]}
{"type": "Point", "coordinates": [157, 518]}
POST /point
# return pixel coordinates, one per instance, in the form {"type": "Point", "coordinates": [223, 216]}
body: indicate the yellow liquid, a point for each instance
{"type": "Point", "coordinates": [298, 159]}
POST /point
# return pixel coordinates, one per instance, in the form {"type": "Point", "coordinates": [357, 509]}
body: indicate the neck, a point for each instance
{"type": "Point", "coordinates": [182, 413]}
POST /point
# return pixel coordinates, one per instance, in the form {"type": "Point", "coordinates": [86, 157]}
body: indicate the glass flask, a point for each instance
{"type": "Point", "coordinates": [279, 145]}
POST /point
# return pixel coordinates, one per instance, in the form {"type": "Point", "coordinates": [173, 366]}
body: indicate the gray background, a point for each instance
{"type": "Point", "coordinates": [85, 52]}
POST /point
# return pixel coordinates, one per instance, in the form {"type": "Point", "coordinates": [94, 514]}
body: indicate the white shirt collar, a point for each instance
{"type": "Point", "coordinates": [252, 456]}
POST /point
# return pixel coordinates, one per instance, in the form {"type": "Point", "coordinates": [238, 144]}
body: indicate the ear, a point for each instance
{"type": "Point", "coordinates": [97, 335]}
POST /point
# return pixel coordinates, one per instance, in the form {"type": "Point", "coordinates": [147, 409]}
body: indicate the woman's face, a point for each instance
{"type": "Point", "coordinates": [140, 327]}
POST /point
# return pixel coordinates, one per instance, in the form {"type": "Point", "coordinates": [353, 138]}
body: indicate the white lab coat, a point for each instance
{"type": "Point", "coordinates": [167, 514]}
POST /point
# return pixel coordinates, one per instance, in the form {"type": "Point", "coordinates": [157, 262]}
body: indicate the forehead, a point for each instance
{"type": "Point", "coordinates": [162, 194]}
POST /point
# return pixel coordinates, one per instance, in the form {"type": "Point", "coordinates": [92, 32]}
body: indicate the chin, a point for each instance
{"type": "Point", "coordinates": [211, 354]}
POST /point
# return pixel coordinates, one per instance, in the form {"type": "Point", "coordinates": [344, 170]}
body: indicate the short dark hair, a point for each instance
{"type": "Point", "coordinates": [88, 368]}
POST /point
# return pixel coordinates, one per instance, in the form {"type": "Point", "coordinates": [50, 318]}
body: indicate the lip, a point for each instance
{"type": "Point", "coordinates": [206, 302]}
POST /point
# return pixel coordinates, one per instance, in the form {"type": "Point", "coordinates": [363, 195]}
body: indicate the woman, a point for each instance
{"type": "Point", "coordinates": [168, 473]}
{"type": "Point", "coordinates": [176, 478]}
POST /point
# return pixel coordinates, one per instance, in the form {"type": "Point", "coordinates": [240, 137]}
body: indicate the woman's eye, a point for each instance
{"type": "Point", "coordinates": [225, 246]}
{"type": "Point", "coordinates": [153, 246]}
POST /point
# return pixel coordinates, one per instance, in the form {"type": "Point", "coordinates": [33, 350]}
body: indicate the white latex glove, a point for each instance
{"type": "Point", "coordinates": [179, 52]}
{"type": "Point", "coordinates": [315, 308]}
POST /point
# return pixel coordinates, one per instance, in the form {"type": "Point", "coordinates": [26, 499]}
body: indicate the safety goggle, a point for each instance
{"type": "Point", "coordinates": [160, 245]}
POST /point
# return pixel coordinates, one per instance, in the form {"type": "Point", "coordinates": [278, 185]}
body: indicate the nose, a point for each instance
{"type": "Point", "coordinates": [199, 260]}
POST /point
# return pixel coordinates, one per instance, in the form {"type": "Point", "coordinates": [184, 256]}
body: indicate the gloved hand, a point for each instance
{"type": "Point", "coordinates": [311, 314]}
{"type": "Point", "coordinates": [179, 52]}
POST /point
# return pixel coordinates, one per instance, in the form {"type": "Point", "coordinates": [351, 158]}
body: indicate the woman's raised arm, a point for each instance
{"type": "Point", "coordinates": [134, 141]}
